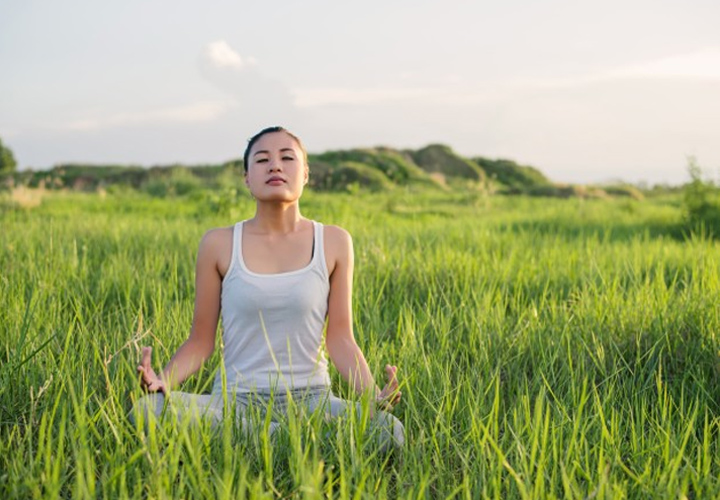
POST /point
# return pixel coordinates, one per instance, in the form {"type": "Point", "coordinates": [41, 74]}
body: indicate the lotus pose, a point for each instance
{"type": "Point", "coordinates": [279, 280]}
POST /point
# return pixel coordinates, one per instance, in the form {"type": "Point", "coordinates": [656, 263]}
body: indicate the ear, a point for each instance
{"type": "Point", "coordinates": [307, 176]}
{"type": "Point", "coordinates": [247, 183]}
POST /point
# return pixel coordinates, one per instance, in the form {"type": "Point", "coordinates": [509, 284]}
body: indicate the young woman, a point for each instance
{"type": "Point", "coordinates": [278, 280]}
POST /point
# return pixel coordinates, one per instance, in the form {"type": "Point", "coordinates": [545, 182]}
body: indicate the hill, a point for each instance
{"type": "Point", "coordinates": [440, 159]}
{"type": "Point", "coordinates": [363, 165]}
{"type": "Point", "coordinates": [435, 166]}
{"type": "Point", "coordinates": [511, 175]}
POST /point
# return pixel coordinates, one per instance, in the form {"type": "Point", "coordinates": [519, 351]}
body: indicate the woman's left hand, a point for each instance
{"type": "Point", "coordinates": [390, 396]}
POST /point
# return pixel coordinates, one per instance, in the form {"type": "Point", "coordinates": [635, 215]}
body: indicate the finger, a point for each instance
{"type": "Point", "coordinates": [385, 405]}
{"type": "Point", "coordinates": [143, 377]}
{"type": "Point", "coordinates": [158, 387]}
{"type": "Point", "coordinates": [146, 356]}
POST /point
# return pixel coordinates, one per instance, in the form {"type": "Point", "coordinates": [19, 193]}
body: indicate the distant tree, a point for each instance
{"type": "Point", "coordinates": [701, 202]}
{"type": "Point", "coordinates": [7, 160]}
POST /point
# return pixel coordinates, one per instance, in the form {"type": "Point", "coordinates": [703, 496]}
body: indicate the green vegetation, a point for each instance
{"type": "Point", "coordinates": [624, 190]}
{"type": "Point", "coordinates": [7, 160]}
{"type": "Point", "coordinates": [548, 349]}
{"type": "Point", "coordinates": [701, 200]}
{"type": "Point", "coordinates": [516, 178]}
{"type": "Point", "coordinates": [392, 164]}
{"type": "Point", "coordinates": [438, 158]}
{"type": "Point", "coordinates": [348, 176]}
{"type": "Point", "coordinates": [376, 169]}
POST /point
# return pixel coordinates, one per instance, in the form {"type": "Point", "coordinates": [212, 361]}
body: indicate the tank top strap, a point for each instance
{"type": "Point", "coordinates": [319, 255]}
{"type": "Point", "coordinates": [236, 248]}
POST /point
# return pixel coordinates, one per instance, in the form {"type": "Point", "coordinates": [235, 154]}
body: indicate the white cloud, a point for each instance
{"type": "Point", "coordinates": [701, 65]}
{"type": "Point", "coordinates": [221, 55]}
{"type": "Point", "coordinates": [323, 96]}
{"type": "Point", "coordinates": [197, 112]}
{"type": "Point", "coordinates": [255, 94]}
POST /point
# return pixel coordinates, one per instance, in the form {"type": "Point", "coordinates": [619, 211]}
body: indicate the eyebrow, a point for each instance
{"type": "Point", "coordinates": [268, 152]}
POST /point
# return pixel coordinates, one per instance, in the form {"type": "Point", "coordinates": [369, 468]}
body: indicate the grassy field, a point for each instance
{"type": "Point", "coordinates": [547, 349]}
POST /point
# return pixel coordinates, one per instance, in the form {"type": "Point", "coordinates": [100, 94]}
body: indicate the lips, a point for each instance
{"type": "Point", "coordinates": [275, 180]}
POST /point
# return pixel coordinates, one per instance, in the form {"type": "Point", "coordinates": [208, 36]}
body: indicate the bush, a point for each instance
{"type": "Point", "coordinates": [518, 178]}
{"type": "Point", "coordinates": [351, 176]}
{"type": "Point", "coordinates": [701, 202]}
{"type": "Point", "coordinates": [393, 165]}
{"type": "Point", "coordinates": [175, 181]}
{"type": "Point", "coordinates": [7, 160]}
{"type": "Point", "coordinates": [226, 202]}
{"type": "Point", "coordinates": [624, 191]}
{"type": "Point", "coordinates": [564, 191]}
{"type": "Point", "coordinates": [438, 158]}
{"type": "Point", "coordinates": [157, 188]}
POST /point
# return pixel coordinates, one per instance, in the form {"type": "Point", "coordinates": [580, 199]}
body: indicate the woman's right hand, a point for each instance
{"type": "Point", "coordinates": [390, 396]}
{"type": "Point", "coordinates": [149, 380]}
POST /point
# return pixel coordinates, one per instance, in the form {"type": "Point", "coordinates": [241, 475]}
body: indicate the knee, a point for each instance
{"type": "Point", "coordinates": [392, 432]}
{"type": "Point", "coordinates": [398, 432]}
{"type": "Point", "coordinates": [147, 407]}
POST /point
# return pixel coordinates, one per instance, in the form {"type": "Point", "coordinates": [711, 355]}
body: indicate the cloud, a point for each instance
{"type": "Point", "coordinates": [220, 54]}
{"type": "Point", "coordinates": [259, 99]}
{"type": "Point", "coordinates": [197, 112]}
{"type": "Point", "coordinates": [324, 96]}
{"type": "Point", "coordinates": [700, 65]}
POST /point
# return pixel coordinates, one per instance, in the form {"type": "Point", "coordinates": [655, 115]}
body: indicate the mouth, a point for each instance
{"type": "Point", "coordinates": [274, 181]}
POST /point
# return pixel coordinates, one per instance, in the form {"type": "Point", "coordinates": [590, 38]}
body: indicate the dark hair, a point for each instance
{"type": "Point", "coordinates": [270, 130]}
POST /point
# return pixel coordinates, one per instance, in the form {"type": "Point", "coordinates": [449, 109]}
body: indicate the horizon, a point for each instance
{"type": "Point", "coordinates": [584, 93]}
{"type": "Point", "coordinates": [109, 164]}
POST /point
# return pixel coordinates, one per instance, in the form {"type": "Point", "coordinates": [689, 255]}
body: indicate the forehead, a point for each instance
{"type": "Point", "coordinates": [275, 141]}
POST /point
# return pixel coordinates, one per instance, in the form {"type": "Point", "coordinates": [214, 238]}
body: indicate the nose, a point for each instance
{"type": "Point", "coordinates": [274, 165]}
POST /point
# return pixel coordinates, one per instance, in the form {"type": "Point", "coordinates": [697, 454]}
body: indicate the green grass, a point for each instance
{"type": "Point", "coordinates": [547, 349]}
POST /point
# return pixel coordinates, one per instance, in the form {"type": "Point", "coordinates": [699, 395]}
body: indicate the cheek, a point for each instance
{"type": "Point", "coordinates": [250, 179]}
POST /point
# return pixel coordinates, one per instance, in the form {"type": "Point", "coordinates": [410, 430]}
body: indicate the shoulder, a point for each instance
{"type": "Point", "coordinates": [337, 238]}
{"type": "Point", "coordinates": [216, 247]}
{"type": "Point", "coordinates": [338, 249]}
{"type": "Point", "coordinates": [216, 237]}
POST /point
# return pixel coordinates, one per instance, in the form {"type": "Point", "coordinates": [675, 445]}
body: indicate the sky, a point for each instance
{"type": "Point", "coordinates": [586, 91]}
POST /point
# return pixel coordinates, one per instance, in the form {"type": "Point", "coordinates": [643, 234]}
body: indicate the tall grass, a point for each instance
{"type": "Point", "coordinates": [547, 349]}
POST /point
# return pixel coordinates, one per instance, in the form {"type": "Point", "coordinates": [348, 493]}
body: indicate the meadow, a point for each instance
{"type": "Point", "coordinates": [547, 348]}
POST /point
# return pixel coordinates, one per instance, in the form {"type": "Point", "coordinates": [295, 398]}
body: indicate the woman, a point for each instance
{"type": "Point", "coordinates": [277, 279]}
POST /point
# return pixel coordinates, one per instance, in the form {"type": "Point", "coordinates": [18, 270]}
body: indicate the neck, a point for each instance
{"type": "Point", "coordinates": [277, 217]}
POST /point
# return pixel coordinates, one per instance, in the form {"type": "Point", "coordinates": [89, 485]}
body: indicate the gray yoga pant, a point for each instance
{"type": "Point", "coordinates": [185, 405]}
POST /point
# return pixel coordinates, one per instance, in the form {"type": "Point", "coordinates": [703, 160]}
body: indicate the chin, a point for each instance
{"type": "Point", "coordinates": [277, 197]}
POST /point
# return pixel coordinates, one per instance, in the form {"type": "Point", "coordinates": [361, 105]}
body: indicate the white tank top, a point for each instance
{"type": "Point", "coordinates": [273, 324]}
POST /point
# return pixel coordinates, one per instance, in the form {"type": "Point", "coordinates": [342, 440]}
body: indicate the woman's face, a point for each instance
{"type": "Point", "coordinates": [276, 168]}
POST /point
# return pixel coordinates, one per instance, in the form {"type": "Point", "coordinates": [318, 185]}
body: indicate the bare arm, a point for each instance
{"type": "Point", "coordinates": [344, 352]}
{"type": "Point", "coordinates": [201, 342]}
